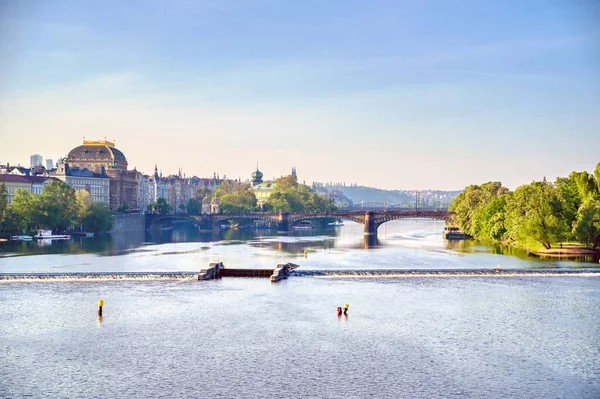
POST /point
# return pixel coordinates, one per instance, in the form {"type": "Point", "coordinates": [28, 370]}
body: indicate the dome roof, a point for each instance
{"type": "Point", "coordinates": [215, 200]}
{"type": "Point", "coordinates": [257, 175]}
{"type": "Point", "coordinates": [96, 151]}
{"type": "Point", "coordinates": [205, 200]}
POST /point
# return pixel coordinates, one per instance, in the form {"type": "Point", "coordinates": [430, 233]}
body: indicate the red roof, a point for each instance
{"type": "Point", "coordinates": [24, 179]}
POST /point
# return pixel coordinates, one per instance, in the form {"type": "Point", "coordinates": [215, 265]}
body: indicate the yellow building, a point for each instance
{"type": "Point", "coordinates": [262, 190]}
{"type": "Point", "coordinates": [31, 184]}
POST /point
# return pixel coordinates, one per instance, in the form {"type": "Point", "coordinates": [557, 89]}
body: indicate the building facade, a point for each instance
{"type": "Point", "coordinates": [98, 154]}
{"type": "Point", "coordinates": [83, 179]}
{"type": "Point", "coordinates": [31, 184]}
{"type": "Point", "coordinates": [262, 190]}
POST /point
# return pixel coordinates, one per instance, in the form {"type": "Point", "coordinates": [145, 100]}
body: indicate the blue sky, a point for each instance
{"type": "Point", "coordinates": [393, 94]}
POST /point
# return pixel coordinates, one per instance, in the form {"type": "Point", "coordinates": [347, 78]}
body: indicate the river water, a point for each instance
{"type": "Point", "coordinates": [473, 335]}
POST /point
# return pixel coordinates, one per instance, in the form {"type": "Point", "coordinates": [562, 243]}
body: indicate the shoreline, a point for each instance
{"type": "Point", "coordinates": [566, 252]}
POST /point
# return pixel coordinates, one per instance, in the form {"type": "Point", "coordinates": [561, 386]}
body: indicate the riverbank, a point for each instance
{"type": "Point", "coordinates": [566, 251]}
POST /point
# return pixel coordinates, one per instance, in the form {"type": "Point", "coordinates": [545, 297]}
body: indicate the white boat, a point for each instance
{"type": "Point", "coordinates": [336, 223]}
{"type": "Point", "coordinates": [21, 238]}
{"type": "Point", "coordinates": [302, 227]}
{"type": "Point", "coordinates": [47, 235]}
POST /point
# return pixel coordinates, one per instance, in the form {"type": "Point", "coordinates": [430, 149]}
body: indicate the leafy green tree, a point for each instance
{"type": "Point", "coordinates": [534, 214]}
{"type": "Point", "coordinates": [570, 197]}
{"type": "Point", "coordinates": [587, 225]}
{"type": "Point", "coordinates": [12, 222]}
{"type": "Point", "coordinates": [586, 184]}
{"type": "Point", "coordinates": [161, 206]}
{"type": "Point", "coordinates": [97, 219]}
{"type": "Point", "coordinates": [479, 212]}
{"type": "Point", "coordinates": [194, 206]}
{"type": "Point", "coordinates": [492, 218]}
{"type": "Point", "coordinates": [235, 197]}
{"type": "Point", "coordinates": [58, 206]}
{"type": "Point", "coordinates": [290, 196]}
{"type": "Point", "coordinates": [24, 211]}
{"type": "Point", "coordinates": [3, 202]}
{"type": "Point", "coordinates": [84, 202]}
{"type": "Point", "coordinates": [597, 176]}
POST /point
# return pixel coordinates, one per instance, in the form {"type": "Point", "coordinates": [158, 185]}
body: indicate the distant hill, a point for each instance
{"type": "Point", "coordinates": [362, 194]}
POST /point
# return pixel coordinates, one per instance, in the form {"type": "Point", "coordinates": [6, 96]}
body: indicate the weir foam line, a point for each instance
{"type": "Point", "coordinates": [400, 273]}
{"type": "Point", "coordinates": [339, 273]}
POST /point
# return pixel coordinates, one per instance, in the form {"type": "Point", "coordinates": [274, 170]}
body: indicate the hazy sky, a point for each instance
{"type": "Point", "coordinates": [394, 94]}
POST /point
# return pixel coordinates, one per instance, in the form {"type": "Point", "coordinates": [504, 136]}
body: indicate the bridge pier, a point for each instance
{"type": "Point", "coordinates": [283, 223]}
{"type": "Point", "coordinates": [370, 226]}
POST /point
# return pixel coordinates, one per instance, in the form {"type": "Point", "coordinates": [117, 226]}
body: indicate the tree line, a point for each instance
{"type": "Point", "coordinates": [59, 207]}
{"type": "Point", "coordinates": [541, 213]}
{"type": "Point", "coordinates": [288, 196]}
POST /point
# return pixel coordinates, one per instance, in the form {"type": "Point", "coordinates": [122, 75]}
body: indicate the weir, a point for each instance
{"type": "Point", "coordinates": [289, 270]}
{"type": "Point", "coordinates": [424, 273]}
{"type": "Point", "coordinates": [218, 270]}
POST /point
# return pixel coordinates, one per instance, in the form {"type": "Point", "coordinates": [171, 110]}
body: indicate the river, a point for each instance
{"type": "Point", "coordinates": [419, 337]}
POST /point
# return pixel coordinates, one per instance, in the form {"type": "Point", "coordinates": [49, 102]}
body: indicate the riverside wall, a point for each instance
{"type": "Point", "coordinates": [135, 223]}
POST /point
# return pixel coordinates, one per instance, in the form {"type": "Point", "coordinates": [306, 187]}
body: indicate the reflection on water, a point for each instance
{"type": "Point", "coordinates": [408, 244]}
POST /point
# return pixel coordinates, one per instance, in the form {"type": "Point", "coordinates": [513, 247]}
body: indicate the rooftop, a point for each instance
{"type": "Point", "coordinates": [24, 179]}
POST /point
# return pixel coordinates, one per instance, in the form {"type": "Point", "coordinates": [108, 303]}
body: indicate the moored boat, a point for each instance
{"type": "Point", "coordinates": [47, 235]}
{"type": "Point", "coordinates": [302, 227]}
{"type": "Point", "coordinates": [454, 233]}
{"type": "Point", "coordinates": [21, 238]}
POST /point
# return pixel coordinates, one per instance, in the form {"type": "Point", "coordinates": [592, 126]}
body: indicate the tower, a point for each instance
{"type": "Point", "coordinates": [294, 171]}
{"type": "Point", "coordinates": [256, 177]}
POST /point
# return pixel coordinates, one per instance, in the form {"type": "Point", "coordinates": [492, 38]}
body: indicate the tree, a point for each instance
{"type": "Point", "coordinates": [97, 219]}
{"type": "Point", "coordinates": [194, 206]}
{"type": "Point", "coordinates": [587, 226]}
{"type": "Point", "coordinates": [58, 206]}
{"type": "Point", "coordinates": [161, 206]}
{"type": "Point", "coordinates": [534, 214]}
{"type": "Point", "coordinates": [570, 197]}
{"type": "Point", "coordinates": [24, 211]}
{"type": "Point", "coordinates": [202, 192]}
{"type": "Point", "coordinates": [83, 205]}
{"type": "Point", "coordinates": [480, 210]}
{"type": "Point", "coordinates": [597, 176]}
{"type": "Point", "coordinates": [3, 203]}
{"type": "Point", "coordinates": [586, 184]}
{"type": "Point", "coordinates": [290, 196]}
{"type": "Point", "coordinates": [123, 208]}
{"type": "Point", "coordinates": [235, 197]}
{"type": "Point", "coordinates": [181, 207]}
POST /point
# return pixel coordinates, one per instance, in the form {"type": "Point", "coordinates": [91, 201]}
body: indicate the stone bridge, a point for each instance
{"type": "Point", "coordinates": [371, 220]}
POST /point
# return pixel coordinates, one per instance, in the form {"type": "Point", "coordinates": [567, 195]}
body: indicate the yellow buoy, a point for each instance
{"type": "Point", "coordinates": [100, 305]}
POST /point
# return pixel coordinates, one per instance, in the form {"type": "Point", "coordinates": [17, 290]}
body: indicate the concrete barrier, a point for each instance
{"type": "Point", "coordinates": [218, 270]}
{"type": "Point", "coordinates": [281, 271]}
{"type": "Point", "coordinates": [212, 272]}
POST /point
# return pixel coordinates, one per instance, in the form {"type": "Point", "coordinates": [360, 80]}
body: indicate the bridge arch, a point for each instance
{"type": "Point", "coordinates": [371, 220]}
